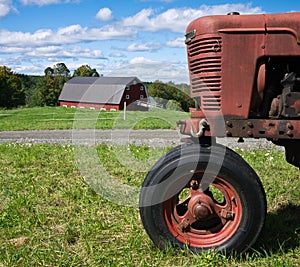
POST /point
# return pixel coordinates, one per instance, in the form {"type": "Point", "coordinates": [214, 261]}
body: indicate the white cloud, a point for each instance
{"type": "Point", "coordinates": [104, 14]}
{"type": "Point", "coordinates": [117, 54]}
{"type": "Point", "coordinates": [71, 30]}
{"type": "Point", "coordinates": [139, 19]}
{"type": "Point", "coordinates": [11, 50]}
{"type": "Point", "coordinates": [30, 69]}
{"type": "Point", "coordinates": [143, 47]}
{"type": "Point", "coordinates": [5, 7]}
{"type": "Point", "coordinates": [224, 9]}
{"type": "Point", "coordinates": [39, 2]}
{"type": "Point", "coordinates": [67, 35]}
{"type": "Point", "coordinates": [176, 20]}
{"type": "Point", "coordinates": [143, 60]}
{"type": "Point", "coordinates": [45, 2]}
{"type": "Point", "coordinates": [178, 42]}
{"type": "Point", "coordinates": [151, 70]}
{"type": "Point", "coordinates": [61, 52]}
{"type": "Point", "coordinates": [54, 51]}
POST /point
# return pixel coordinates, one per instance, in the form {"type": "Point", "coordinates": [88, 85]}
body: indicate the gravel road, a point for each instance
{"type": "Point", "coordinates": [156, 138]}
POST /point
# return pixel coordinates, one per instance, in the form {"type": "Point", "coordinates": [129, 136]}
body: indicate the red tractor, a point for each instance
{"type": "Point", "coordinates": [245, 78]}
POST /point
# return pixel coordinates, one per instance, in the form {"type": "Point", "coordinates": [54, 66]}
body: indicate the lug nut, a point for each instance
{"type": "Point", "coordinates": [290, 126]}
{"type": "Point", "coordinates": [194, 184]}
{"type": "Point", "coordinates": [229, 134]}
{"type": "Point", "coordinates": [249, 133]}
{"type": "Point", "coordinates": [229, 124]}
{"type": "Point", "coordinates": [250, 124]}
{"type": "Point", "coordinates": [290, 134]}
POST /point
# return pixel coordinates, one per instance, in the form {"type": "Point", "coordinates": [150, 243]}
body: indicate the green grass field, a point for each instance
{"type": "Point", "coordinates": [56, 118]}
{"type": "Point", "coordinates": [49, 216]}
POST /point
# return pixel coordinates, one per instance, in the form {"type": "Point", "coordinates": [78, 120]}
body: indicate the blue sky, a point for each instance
{"type": "Point", "coordinates": [143, 38]}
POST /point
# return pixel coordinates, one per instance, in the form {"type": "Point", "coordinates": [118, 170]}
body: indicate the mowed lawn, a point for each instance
{"type": "Point", "coordinates": [56, 118]}
{"type": "Point", "coordinates": [50, 216]}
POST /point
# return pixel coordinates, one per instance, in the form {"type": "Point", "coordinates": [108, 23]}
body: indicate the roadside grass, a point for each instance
{"type": "Point", "coordinates": [49, 216]}
{"type": "Point", "coordinates": [58, 118]}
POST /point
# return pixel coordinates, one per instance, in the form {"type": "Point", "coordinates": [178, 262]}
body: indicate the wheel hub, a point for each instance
{"type": "Point", "coordinates": [201, 211]}
{"type": "Point", "coordinates": [200, 205]}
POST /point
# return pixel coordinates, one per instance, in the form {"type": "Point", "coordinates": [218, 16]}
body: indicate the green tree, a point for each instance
{"type": "Point", "coordinates": [170, 92]}
{"type": "Point", "coordinates": [11, 90]}
{"type": "Point", "coordinates": [86, 71]}
{"type": "Point", "coordinates": [49, 71]}
{"type": "Point", "coordinates": [49, 87]}
{"type": "Point", "coordinates": [60, 69]}
{"type": "Point", "coordinates": [29, 85]}
{"type": "Point", "coordinates": [173, 105]}
{"type": "Point", "coordinates": [49, 90]}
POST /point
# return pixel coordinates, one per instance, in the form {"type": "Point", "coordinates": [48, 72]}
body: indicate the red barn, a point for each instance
{"type": "Point", "coordinates": [106, 93]}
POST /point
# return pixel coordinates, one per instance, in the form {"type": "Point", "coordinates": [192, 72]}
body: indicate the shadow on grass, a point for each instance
{"type": "Point", "coordinates": [281, 231]}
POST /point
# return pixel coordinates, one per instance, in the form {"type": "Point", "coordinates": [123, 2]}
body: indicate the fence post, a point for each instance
{"type": "Point", "coordinates": [124, 110]}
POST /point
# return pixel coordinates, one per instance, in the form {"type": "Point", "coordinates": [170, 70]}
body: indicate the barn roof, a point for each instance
{"type": "Point", "coordinates": [96, 89]}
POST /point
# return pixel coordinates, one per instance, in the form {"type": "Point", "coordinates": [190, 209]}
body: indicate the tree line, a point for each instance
{"type": "Point", "coordinates": [171, 96]}
{"type": "Point", "coordinates": [27, 90]}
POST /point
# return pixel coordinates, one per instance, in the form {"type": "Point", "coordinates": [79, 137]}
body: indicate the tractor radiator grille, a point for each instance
{"type": "Point", "coordinates": [205, 64]}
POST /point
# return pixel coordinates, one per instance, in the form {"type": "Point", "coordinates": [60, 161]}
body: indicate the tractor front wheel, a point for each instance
{"type": "Point", "coordinates": [204, 198]}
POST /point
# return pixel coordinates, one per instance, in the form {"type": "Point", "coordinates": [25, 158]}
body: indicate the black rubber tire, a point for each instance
{"type": "Point", "coordinates": [177, 163]}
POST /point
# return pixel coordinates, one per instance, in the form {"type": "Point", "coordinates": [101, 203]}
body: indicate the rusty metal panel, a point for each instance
{"type": "Point", "coordinates": [283, 34]}
{"type": "Point", "coordinates": [254, 128]}
{"type": "Point", "coordinates": [222, 54]}
{"type": "Point", "coordinates": [274, 129]}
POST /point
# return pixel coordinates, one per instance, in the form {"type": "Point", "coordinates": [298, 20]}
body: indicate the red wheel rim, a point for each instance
{"type": "Point", "coordinates": [204, 219]}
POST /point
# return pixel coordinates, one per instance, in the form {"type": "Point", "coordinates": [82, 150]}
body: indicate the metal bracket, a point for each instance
{"type": "Point", "coordinates": [203, 124]}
